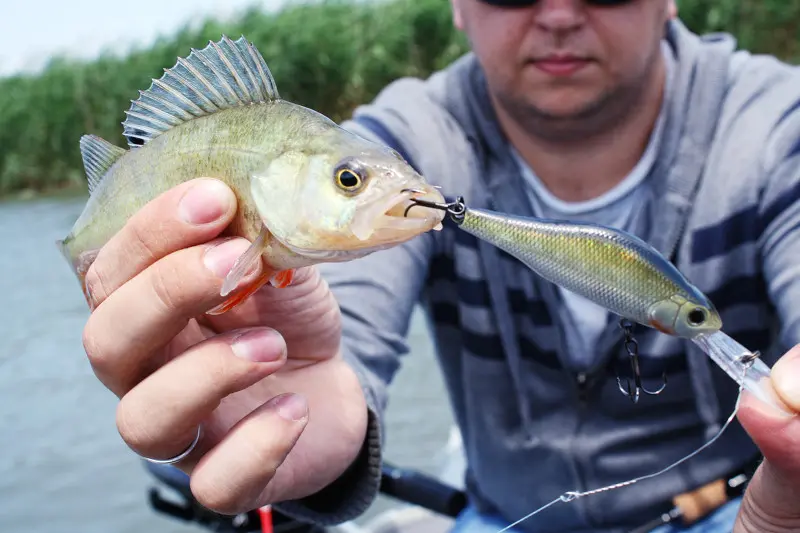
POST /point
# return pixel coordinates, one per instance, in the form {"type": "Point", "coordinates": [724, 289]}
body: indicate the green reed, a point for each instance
{"type": "Point", "coordinates": [330, 56]}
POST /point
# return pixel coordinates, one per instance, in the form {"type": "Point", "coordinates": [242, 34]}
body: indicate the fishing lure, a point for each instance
{"type": "Point", "coordinates": [610, 267]}
{"type": "Point", "coordinates": [619, 272]}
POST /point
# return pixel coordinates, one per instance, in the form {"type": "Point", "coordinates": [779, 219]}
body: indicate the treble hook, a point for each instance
{"type": "Point", "coordinates": [632, 347]}
{"type": "Point", "coordinates": [455, 209]}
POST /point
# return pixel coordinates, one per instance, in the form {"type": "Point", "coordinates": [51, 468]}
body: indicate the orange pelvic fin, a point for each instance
{"type": "Point", "coordinates": [239, 297]}
{"type": "Point", "coordinates": [245, 263]}
{"type": "Point", "coordinates": [282, 279]}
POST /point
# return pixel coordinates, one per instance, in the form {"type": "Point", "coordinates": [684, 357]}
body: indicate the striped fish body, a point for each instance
{"type": "Point", "coordinates": [612, 268]}
{"type": "Point", "coordinates": [230, 145]}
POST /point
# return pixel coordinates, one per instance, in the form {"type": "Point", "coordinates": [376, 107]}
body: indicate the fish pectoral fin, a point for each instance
{"type": "Point", "coordinates": [245, 263]}
{"type": "Point", "coordinates": [241, 296]}
{"type": "Point", "coordinates": [278, 280]}
{"type": "Point", "coordinates": [282, 279]}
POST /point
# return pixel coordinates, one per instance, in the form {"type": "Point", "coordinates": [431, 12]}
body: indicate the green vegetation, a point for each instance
{"type": "Point", "coordinates": [329, 56]}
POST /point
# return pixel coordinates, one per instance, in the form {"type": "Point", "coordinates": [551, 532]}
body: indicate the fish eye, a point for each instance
{"type": "Point", "coordinates": [349, 177]}
{"type": "Point", "coordinates": [696, 316]}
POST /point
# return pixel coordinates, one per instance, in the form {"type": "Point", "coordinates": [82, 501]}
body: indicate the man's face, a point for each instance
{"type": "Point", "coordinates": [564, 58]}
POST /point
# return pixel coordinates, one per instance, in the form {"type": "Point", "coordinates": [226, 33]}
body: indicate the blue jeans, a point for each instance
{"type": "Point", "coordinates": [720, 521]}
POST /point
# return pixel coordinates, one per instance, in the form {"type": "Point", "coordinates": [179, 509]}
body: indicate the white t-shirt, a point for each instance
{"type": "Point", "coordinates": [619, 207]}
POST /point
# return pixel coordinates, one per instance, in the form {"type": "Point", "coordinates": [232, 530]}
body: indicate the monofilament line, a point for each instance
{"type": "Point", "coordinates": [574, 495]}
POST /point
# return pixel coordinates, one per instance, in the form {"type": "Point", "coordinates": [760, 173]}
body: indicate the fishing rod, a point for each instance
{"type": "Point", "coordinates": [402, 484]}
{"type": "Point", "coordinates": [416, 488]}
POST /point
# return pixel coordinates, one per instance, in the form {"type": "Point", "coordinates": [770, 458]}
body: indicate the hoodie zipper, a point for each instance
{"type": "Point", "coordinates": [581, 381]}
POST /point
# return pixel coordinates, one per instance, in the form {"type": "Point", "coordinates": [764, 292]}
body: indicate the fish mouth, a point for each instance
{"type": "Point", "coordinates": [388, 217]}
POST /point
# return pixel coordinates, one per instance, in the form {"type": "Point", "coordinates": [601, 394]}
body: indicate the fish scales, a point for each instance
{"type": "Point", "coordinates": [221, 145]}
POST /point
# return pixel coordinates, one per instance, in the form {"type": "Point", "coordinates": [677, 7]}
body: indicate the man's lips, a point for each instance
{"type": "Point", "coordinates": [560, 65]}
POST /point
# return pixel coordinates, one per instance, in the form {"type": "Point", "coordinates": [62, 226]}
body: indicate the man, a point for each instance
{"type": "Point", "coordinates": [602, 111]}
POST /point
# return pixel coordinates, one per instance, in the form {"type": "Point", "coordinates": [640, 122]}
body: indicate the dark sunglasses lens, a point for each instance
{"type": "Point", "coordinates": [526, 3]}
{"type": "Point", "coordinates": [510, 3]}
{"type": "Point", "coordinates": [607, 2]}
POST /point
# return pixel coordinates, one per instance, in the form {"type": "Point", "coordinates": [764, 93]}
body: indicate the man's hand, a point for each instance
{"type": "Point", "coordinates": [282, 414]}
{"type": "Point", "coordinates": [772, 501]}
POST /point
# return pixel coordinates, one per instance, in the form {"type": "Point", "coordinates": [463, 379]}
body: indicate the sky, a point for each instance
{"type": "Point", "coordinates": [32, 30]}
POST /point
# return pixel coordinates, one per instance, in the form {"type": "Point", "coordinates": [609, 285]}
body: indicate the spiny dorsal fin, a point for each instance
{"type": "Point", "coordinates": [98, 156]}
{"type": "Point", "coordinates": [222, 75]}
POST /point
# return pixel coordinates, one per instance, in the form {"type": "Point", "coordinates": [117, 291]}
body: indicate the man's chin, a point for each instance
{"type": "Point", "coordinates": [565, 106]}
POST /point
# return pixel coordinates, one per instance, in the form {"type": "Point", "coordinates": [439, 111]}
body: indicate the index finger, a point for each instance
{"type": "Point", "coordinates": [186, 215]}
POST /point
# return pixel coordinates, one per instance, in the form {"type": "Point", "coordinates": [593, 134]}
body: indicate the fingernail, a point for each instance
{"type": "Point", "coordinates": [291, 407]}
{"type": "Point", "coordinates": [786, 380]}
{"type": "Point", "coordinates": [205, 202]}
{"type": "Point", "coordinates": [219, 258]}
{"type": "Point", "coordinates": [262, 345]}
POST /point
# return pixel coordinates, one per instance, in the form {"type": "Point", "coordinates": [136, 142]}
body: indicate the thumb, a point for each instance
{"type": "Point", "coordinates": [772, 500]}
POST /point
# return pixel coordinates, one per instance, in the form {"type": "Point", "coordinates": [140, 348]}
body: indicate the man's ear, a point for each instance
{"type": "Point", "coordinates": [458, 20]}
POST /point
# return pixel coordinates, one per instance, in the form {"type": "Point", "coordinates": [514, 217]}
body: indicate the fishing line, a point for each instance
{"type": "Point", "coordinates": [574, 495]}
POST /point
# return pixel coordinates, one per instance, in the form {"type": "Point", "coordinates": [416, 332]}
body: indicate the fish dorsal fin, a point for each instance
{"type": "Point", "coordinates": [222, 75]}
{"type": "Point", "coordinates": [98, 156]}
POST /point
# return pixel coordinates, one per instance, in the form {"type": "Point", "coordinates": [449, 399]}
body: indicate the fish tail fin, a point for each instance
{"type": "Point", "coordinates": [63, 249]}
{"type": "Point", "coordinates": [80, 273]}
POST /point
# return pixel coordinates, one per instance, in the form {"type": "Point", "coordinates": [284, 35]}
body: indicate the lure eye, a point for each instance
{"type": "Point", "coordinates": [349, 177]}
{"type": "Point", "coordinates": [697, 316]}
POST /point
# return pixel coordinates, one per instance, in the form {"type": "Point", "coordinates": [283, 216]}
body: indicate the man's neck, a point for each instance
{"type": "Point", "coordinates": [581, 167]}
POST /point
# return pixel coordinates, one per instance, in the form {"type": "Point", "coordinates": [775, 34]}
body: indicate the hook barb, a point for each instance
{"type": "Point", "coordinates": [455, 209]}
{"type": "Point", "coordinates": [632, 347]}
{"type": "Point", "coordinates": [425, 203]}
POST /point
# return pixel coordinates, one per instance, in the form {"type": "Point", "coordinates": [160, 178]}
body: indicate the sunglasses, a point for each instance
{"type": "Point", "coordinates": [527, 3]}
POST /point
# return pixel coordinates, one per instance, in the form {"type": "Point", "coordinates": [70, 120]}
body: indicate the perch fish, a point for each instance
{"type": "Point", "coordinates": [308, 190]}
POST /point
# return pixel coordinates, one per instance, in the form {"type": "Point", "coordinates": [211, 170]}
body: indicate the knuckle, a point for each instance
{"type": "Point", "coordinates": [214, 364]}
{"type": "Point", "coordinates": [96, 286]}
{"type": "Point", "coordinates": [213, 371]}
{"type": "Point", "coordinates": [131, 427]}
{"type": "Point", "coordinates": [267, 457]}
{"type": "Point", "coordinates": [141, 244]}
{"type": "Point", "coordinates": [268, 473]}
{"type": "Point", "coordinates": [222, 372]}
{"type": "Point", "coordinates": [167, 287]}
{"type": "Point", "coordinates": [268, 451]}
{"type": "Point", "coordinates": [97, 356]}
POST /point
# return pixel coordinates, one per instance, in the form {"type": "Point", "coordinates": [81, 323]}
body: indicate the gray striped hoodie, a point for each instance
{"type": "Point", "coordinates": [727, 183]}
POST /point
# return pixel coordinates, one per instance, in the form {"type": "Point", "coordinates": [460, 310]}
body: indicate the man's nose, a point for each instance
{"type": "Point", "coordinates": [559, 15]}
